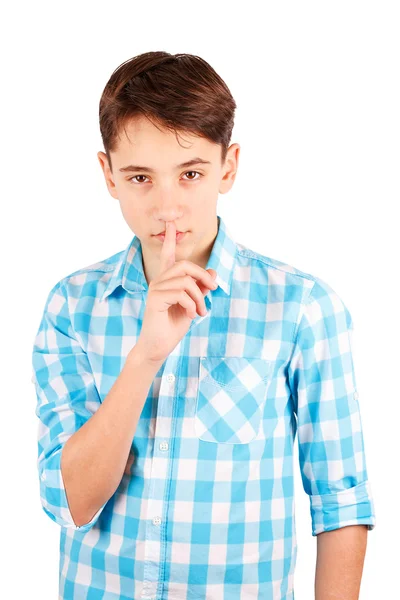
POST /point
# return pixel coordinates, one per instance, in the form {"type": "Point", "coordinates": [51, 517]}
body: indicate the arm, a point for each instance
{"type": "Point", "coordinates": [340, 562]}
{"type": "Point", "coordinates": [330, 438]}
{"type": "Point", "coordinates": [95, 458]}
{"type": "Point", "coordinates": [83, 443]}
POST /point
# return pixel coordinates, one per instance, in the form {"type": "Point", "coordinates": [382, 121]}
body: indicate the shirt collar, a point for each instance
{"type": "Point", "coordinates": [128, 271]}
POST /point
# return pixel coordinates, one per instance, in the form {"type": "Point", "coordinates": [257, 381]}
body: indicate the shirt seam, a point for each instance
{"type": "Point", "coordinates": [250, 254]}
{"type": "Point", "coordinates": [105, 269]}
{"type": "Point", "coordinates": [305, 303]}
{"type": "Point", "coordinates": [64, 293]}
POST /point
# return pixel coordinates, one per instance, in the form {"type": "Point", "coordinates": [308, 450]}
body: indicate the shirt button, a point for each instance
{"type": "Point", "coordinates": [156, 520]}
{"type": "Point", "coordinates": [355, 395]}
{"type": "Point", "coordinates": [171, 377]}
{"type": "Point", "coordinates": [163, 446]}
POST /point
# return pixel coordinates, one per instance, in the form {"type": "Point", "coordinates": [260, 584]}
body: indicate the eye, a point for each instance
{"type": "Point", "coordinates": [134, 180]}
{"type": "Point", "coordinates": [130, 179]}
{"type": "Point", "coordinates": [194, 172]}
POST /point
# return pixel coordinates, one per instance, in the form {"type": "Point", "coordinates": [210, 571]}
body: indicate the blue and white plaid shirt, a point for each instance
{"type": "Point", "coordinates": [207, 509]}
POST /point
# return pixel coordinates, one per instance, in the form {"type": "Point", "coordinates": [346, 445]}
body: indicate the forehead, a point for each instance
{"type": "Point", "coordinates": [154, 142]}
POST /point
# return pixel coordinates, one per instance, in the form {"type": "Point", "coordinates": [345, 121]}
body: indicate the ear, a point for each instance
{"type": "Point", "coordinates": [230, 168]}
{"type": "Point", "coordinates": [108, 176]}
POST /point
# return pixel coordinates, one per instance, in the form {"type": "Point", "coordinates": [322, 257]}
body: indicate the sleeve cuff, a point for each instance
{"type": "Point", "coordinates": [352, 506]}
{"type": "Point", "coordinates": [53, 496]}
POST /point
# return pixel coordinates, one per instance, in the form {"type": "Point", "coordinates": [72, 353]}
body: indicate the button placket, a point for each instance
{"type": "Point", "coordinates": [159, 471]}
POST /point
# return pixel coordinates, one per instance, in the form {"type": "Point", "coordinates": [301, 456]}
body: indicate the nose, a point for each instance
{"type": "Point", "coordinates": [164, 214]}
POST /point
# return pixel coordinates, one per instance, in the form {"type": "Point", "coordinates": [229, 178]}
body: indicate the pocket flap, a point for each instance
{"type": "Point", "coordinates": [234, 372]}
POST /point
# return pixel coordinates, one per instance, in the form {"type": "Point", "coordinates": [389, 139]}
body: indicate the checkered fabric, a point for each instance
{"type": "Point", "coordinates": [207, 508]}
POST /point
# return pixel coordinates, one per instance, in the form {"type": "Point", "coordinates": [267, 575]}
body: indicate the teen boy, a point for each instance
{"type": "Point", "coordinates": [172, 377]}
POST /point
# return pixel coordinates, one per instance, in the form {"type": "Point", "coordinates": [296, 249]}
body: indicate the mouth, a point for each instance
{"type": "Point", "coordinates": [179, 235]}
{"type": "Point", "coordinates": [163, 232]}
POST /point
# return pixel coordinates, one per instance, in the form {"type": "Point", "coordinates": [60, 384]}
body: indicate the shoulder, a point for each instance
{"type": "Point", "coordinates": [274, 266]}
{"type": "Point", "coordinates": [273, 263]}
{"type": "Point", "coordinates": [314, 289]}
{"type": "Point", "coordinates": [96, 272]}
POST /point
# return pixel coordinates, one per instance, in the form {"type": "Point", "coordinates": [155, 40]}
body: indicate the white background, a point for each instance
{"type": "Point", "coordinates": [317, 89]}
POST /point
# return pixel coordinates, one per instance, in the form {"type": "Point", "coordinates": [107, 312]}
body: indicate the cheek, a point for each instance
{"type": "Point", "coordinates": [132, 213]}
{"type": "Point", "coordinates": [202, 195]}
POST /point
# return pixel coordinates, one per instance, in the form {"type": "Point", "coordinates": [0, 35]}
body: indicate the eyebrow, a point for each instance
{"type": "Point", "coordinates": [194, 161]}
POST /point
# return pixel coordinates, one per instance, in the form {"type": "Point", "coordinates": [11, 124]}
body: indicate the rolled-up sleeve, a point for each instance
{"type": "Point", "coordinates": [66, 398]}
{"type": "Point", "coordinates": [326, 404]}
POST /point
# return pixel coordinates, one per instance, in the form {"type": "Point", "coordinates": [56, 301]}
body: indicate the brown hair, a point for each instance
{"type": "Point", "coordinates": [181, 92]}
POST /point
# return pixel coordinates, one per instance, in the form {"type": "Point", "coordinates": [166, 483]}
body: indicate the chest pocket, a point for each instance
{"type": "Point", "coordinates": [230, 393]}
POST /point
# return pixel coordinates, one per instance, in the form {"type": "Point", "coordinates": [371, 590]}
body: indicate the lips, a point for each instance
{"type": "Point", "coordinates": [163, 232]}
{"type": "Point", "coordinates": [180, 235]}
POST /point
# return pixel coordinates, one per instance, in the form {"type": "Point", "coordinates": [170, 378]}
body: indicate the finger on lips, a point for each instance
{"type": "Point", "coordinates": [168, 258]}
{"type": "Point", "coordinates": [168, 247]}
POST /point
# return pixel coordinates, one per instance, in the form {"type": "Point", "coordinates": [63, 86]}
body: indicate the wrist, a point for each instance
{"type": "Point", "coordinates": [138, 358]}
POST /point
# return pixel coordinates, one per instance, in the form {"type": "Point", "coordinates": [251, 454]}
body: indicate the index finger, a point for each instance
{"type": "Point", "coordinates": [168, 248]}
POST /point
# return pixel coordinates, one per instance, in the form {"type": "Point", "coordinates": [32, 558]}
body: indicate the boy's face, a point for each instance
{"type": "Point", "coordinates": [160, 190]}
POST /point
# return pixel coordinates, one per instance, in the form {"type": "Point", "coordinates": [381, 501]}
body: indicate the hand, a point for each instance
{"type": "Point", "coordinates": [174, 298]}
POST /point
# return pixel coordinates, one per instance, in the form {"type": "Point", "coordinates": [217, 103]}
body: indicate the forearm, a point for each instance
{"type": "Point", "coordinates": [340, 562]}
{"type": "Point", "coordinates": [94, 458]}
